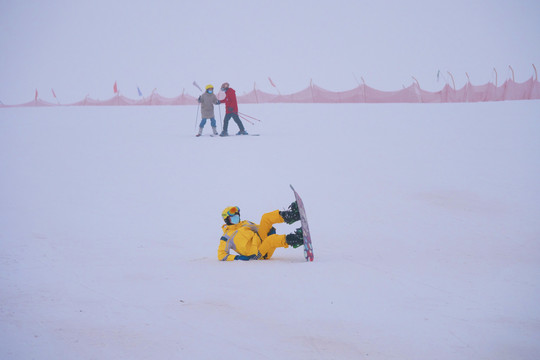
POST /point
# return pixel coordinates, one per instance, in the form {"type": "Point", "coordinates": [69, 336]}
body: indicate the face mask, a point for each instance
{"type": "Point", "coordinates": [209, 91]}
{"type": "Point", "coordinates": [235, 219]}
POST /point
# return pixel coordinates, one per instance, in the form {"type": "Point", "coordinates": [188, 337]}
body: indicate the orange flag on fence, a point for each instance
{"type": "Point", "coordinates": [115, 88]}
{"type": "Point", "coordinates": [36, 95]}
{"type": "Point", "coordinates": [53, 93]}
{"type": "Point", "coordinates": [271, 82]}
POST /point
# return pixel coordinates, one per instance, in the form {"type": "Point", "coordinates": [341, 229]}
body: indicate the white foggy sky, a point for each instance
{"type": "Point", "coordinates": [83, 47]}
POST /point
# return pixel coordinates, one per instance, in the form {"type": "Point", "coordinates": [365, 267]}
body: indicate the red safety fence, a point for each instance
{"type": "Point", "coordinates": [509, 90]}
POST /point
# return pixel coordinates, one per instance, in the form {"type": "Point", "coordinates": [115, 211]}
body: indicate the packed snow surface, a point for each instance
{"type": "Point", "coordinates": [424, 221]}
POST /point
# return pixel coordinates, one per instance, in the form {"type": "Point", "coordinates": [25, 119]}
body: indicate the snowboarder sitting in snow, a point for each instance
{"type": "Point", "coordinates": [231, 107]}
{"type": "Point", "coordinates": [257, 242]}
{"type": "Point", "coordinates": [207, 101]}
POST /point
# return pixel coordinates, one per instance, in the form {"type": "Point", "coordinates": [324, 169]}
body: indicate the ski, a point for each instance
{"type": "Point", "coordinates": [206, 135]}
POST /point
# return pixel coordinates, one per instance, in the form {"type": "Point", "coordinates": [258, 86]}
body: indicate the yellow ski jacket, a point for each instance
{"type": "Point", "coordinates": [242, 238]}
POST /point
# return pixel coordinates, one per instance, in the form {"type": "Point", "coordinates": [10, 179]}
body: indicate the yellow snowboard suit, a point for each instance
{"type": "Point", "coordinates": [247, 238]}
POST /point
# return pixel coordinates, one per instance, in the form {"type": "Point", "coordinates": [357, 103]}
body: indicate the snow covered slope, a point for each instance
{"type": "Point", "coordinates": [424, 220]}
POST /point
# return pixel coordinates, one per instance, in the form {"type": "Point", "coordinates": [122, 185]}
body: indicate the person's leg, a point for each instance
{"type": "Point", "coordinates": [238, 122]}
{"type": "Point", "coordinates": [201, 126]}
{"type": "Point", "coordinates": [270, 244]}
{"type": "Point", "coordinates": [226, 124]}
{"type": "Point", "coordinates": [214, 127]}
{"type": "Point", "coordinates": [267, 221]}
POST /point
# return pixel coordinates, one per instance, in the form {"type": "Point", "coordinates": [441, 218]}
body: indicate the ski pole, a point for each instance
{"type": "Point", "coordinates": [243, 118]}
{"type": "Point", "coordinates": [251, 117]}
{"type": "Point", "coordinates": [197, 86]}
{"type": "Point", "coordinates": [219, 107]}
{"type": "Point", "coordinates": [198, 103]}
{"type": "Point", "coordinates": [197, 116]}
{"type": "Point", "coordinates": [220, 118]}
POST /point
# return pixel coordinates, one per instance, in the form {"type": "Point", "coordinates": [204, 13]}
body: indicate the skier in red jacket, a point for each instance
{"type": "Point", "coordinates": [231, 107]}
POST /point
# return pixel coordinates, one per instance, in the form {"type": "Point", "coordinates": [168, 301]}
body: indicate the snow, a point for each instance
{"type": "Point", "coordinates": [424, 221]}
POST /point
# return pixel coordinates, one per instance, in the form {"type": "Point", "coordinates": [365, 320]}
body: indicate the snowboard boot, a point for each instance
{"type": "Point", "coordinates": [292, 215]}
{"type": "Point", "coordinates": [200, 132]}
{"type": "Point", "coordinates": [295, 239]}
{"type": "Point", "coordinates": [214, 129]}
{"type": "Point", "coordinates": [242, 132]}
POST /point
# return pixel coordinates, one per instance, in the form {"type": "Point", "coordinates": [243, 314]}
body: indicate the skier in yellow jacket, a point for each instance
{"type": "Point", "coordinates": [257, 242]}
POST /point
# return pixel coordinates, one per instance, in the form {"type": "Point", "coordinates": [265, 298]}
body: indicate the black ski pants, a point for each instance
{"type": "Point", "coordinates": [236, 120]}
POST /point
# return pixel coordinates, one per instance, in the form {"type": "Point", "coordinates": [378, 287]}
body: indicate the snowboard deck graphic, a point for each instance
{"type": "Point", "coordinates": [308, 247]}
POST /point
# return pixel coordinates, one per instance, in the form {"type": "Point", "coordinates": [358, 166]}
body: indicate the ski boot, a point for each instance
{"type": "Point", "coordinates": [214, 129]}
{"type": "Point", "coordinates": [224, 133]}
{"type": "Point", "coordinates": [295, 239]}
{"type": "Point", "coordinates": [292, 215]}
{"type": "Point", "coordinates": [242, 132]}
{"type": "Point", "coordinates": [200, 132]}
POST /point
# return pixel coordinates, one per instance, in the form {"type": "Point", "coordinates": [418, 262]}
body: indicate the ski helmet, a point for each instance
{"type": "Point", "coordinates": [228, 212]}
{"type": "Point", "coordinates": [224, 86]}
{"type": "Point", "coordinates": [209, 87]}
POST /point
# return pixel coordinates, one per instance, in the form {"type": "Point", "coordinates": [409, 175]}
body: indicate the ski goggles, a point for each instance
{"type": "Point", "coordinates": [230, 211]}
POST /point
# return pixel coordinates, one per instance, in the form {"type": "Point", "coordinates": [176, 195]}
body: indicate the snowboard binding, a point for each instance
{"type": "Point", "coordinates": [295, 239]}
{"type": "Point", "coordinates": [292, 215]}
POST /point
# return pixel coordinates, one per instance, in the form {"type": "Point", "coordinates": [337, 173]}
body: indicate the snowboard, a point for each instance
{"type": "Point", "coordinates": [308, 247]}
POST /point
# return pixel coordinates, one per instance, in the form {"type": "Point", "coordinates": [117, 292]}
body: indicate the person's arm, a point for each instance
{"type": "Point", "coordinates": [223, 252]}
{"type": "Point", "coordinates": [224, 100]}
{"type": "Point", "coordinates": [225, 255]}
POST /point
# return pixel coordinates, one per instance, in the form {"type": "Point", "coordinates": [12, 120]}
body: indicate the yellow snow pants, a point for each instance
{"type": "Point", "coordinates": [269, 243]}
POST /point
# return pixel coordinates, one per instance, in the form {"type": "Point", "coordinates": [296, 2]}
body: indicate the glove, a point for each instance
{"type": "Point", "coordinates": [243, 257]}
{"type": "Point", "coordinates": [218, 102]}
{"type": "Point", "coordinates": [199, 99]}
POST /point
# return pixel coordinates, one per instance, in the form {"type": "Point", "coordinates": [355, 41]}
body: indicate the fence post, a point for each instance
{"type": "Point", "coordinates": [453, 82]}
{"type": "Point", "coordinates": [418, 90]}
{"type": "Point", "coordinates": [467, 88]}
{"type": "Point", "coordinates": [255, 90]}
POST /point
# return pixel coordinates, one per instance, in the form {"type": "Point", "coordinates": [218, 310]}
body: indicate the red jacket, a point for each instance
{"type": "Point", "coordinates": [231, 105]}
